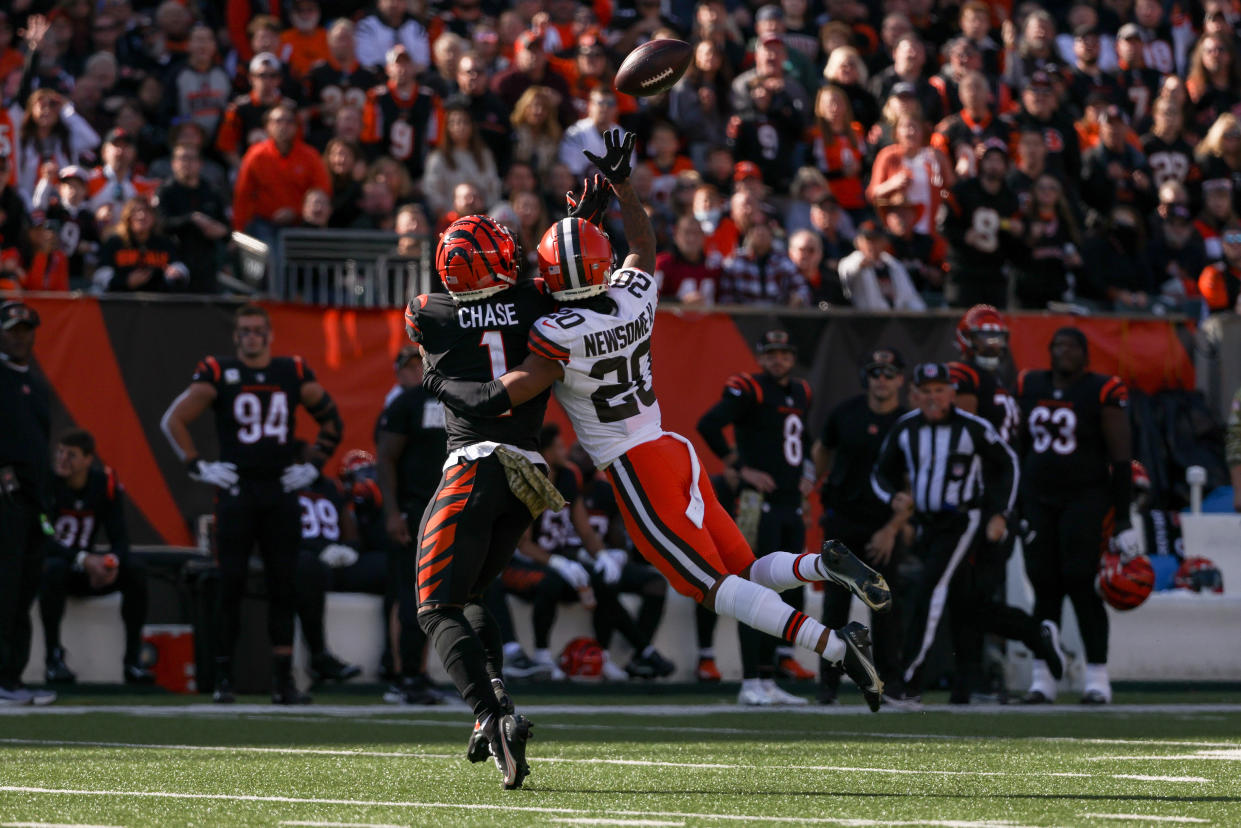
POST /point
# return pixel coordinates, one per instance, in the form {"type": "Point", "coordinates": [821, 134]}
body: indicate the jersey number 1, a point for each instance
{"type": "Point", "coordinates": [493, 341]}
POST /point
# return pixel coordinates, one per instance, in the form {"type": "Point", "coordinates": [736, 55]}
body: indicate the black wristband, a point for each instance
{"type": "Point", "coordinates": [191, 465]}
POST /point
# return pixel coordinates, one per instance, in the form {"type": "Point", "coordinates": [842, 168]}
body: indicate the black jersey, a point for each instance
{"type": "Point", "coordinates": [255, 411]}
{"type": "Point", "coordinates": [1064, 448]}
{"type": "Point", "coordinates": [970, 207]}
{"type": "Point", "coordinates": [25, 416]}
{"type": "Point", "coordinates": [1064, 154]}
{"type": "Point", "coordinates": [1140, 87]}
{"type": "Point", "coordinates": [402, 128]}
{"type": "Point", "coordinates": [78, 514]}
{"type": "Point", "coordinates": [963, 137]}
{"type": "Point", "coordinates": [855, 434]}
{"type": "Point", "coordinates": [769, 426]}
{"type": "Point", "coordinates": [1170, 161]}
{"type": "Point", "coordinates": [417, 416]}
{"type": "Point", "coordinates": [1084, 86]}
{"type": "Point", "coordinates": [479, 341]}
{"type": "Point", "coordinates": [554, 530]}
{"type": "Point", "coordinates": [332, 86]}
{"type": "Point", "coordinates": [995, 404]}
{"type": "Point", "coordinates": [323, 506]}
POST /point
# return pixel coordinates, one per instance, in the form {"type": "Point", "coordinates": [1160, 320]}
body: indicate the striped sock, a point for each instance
{"type": "Point", "coordinates": [784, 570]}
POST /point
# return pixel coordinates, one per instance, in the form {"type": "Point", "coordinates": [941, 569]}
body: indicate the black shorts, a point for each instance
{"type": "Point", "coordinates": [468, 534]}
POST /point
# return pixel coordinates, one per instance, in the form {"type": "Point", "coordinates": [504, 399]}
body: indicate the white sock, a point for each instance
{"type": "Point", "coordinates": [1041, 679]}
{"type": "Point", "coordinates": [511, 649]}
{"type": "Point", "coordinates": [784, 652]}
{"type": "Point", "coordinates": [706, 652]}
{"type": "Point", "coordinates": [751, 684]}
{"type": "Point", "coordinates": [834, 652]}
{"type": "Point", "coordinates": [759, 607]}
{"type": "Point", "coordinates": [784, 570]}
{"type": "Point", "coordinates": [1096, 679]}
{"type": "Point", "coordinates": [543, 655]}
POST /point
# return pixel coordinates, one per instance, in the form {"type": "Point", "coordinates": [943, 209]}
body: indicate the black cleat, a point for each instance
{"type": "Point", "coordinates": [223, 692]}
{"type": "Point", "coordinates": [650, 666]}
{"type": "Point", "coordinates": [55, 670]}
{"type": "Point", "coordinates": [840, 565]}
{"type": "Point", "coordinates": [412, 690]}
{"type": "Point", "coordinates": [327, 667]}
{"type": "Point", "coordinates": [478, 748]}
{"type": "Point", "coordinates": [1048, 649]}
{"type": "Point", "coordinates": [1036, 697]}
{"type": "Point", "coordinates": [285, 692]}
{"type": "Point", "coordinates": [523, 666]}
{"type": "Point", "coordinates": [507, 736]}
{"type": "Point", "coordinates": [1090, 697]}
{"type": "Point", "coordinates": [859, 665]}
{"type": "Point", "coordinates": [137, 674]}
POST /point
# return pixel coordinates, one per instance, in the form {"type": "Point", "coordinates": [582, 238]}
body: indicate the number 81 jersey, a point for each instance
{"type": "Point", "coordinates": [608, 390]}
{"type": "Point", "coordinates": [254, 410]}
{"type": "Point", "coordinates": [1064, 447]}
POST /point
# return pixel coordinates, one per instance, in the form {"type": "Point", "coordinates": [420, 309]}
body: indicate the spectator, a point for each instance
{"type": "Point", "coordinates": [699, 103]}
{"type": "Point", "coordinates": [193, 214]}
{"type": "Point", "coordinates": [808, 189]}
{"type": "Point", "coordinates": [687, 273]}
{"type": "Point", "coordinates": [536, 132]}
{"type": "Point", "coordinates": [339, 80]}
{"type": "Point", "coordinates": [767, 132]}
{"type": "Point", "coordinates": [45, 266]}
{"type": "Point", "coordinates": [587, 134]}
{"type": "Point", "coordinates": [838, 147]}
{"type": "Point", "coordinates": [532, 221]}
{"type": "Point", "coordinates": [1031, 164]}
{"type": "Point", "coordinates": [446, 54]}
{"type": "Point", "coordinates": [1217, 213]}
{"type": "Point", "coordinates": [190, 134]}
{"type": "Point", "coordinates": [1088, 78]}
{"type": "Point", "coordinates": [377, 205]}
{"type": "Point", "coordinates": [115, 182]}
{"type": "Point", "coordinates": [391, 25]}
{"type": "Point", "coordinates": [909, 167]}
{"type": "Point", "coordinates": [872, 279]}
{"type": "Point", "coordinates": [1220, 283]}
{"type": "Point", "coordinates": [846, 70]}
{"type": "Point", "coordinates": [806, 253]}
{"type": "Point", "coordinates": [1232, 443]}
{"type": "Point", "coordinates": [466, 201]}
{"type": "Point", "coordinates": [200, 87]}
{"type": "Point", "coordinates": [275, 176]}
{"type": "Point", "coordinates": [758, 274]}
{"type": "Point", "coordinates": [665, 162]}
{"type": "Point", "coordinates": [834, 228]}
{"type": "Point", "coordinates": [460, 156]}
{"type": "Point", "coordinates": [413, 230]}
{"type": "Point", "coordinates": [1177, 252]}
{"type": "Point", "coordinates": [1170, 156]}
{"type": "Point", "coordinates": [14, 217]}
{"type": "Point", "coordinates": [1139, 84]}
{"type": "Point", "coordinates": [1040, 110]}
{"type": "Point", "coordinates": [316, 209]}
{"type": "Point", "coordinates": [1219, 155]}
{"type": "Point", "coordinates": [1114, 171]}
{"type": "Point", "coordinates": [47, 141]}
{"type": "Point", "coordinates": [346, 168]}
{"type": "Point", "coordinates": [908, 63]}
{"type": "Point", "coordinates": [246, 117]}
{"type": "Point", "coordinates": [963, 59]}
{"type": "Point", "coordinates": [78, 234]}
{"type": "Point", "coordinates": [530, 69]}
{"type": "Point", "coordinates": [1034, 52]}
{"type": "Point", "coordinates": [1048, 272]}
{"type": "Point", "coordinates": [922, 254]}
{"type": "Point", "coordinates": [769, 73]}
{"type": "Point", "coordinates": [490, 115]}
{"type": "Point", "coordinates": [984, 233]}
{"type": "Point", "coordinates": [1214, 80]}
{"type": "Point", "coordinates": [769, 22]}
{"type": "Point", "coordinates": [962, 135]}
{"type": "Point", "coordinates": [402, 118]}
{"type": "Point", "coordinates": [1117, 268]}
{"type": "Point", "coordinates": [305, 42]}
{"type": "Point", "coordinates": [137, 257]}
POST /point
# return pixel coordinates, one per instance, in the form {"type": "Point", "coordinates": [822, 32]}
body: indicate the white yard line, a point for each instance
{"type": "Point", "coordinates": [1233, 755]}
{"type": "Point", "coordinates": [343, 824]}
{"type": "Point", "coordinates": [469, 806]}
{"type": "Point", "coordinates": [1147, 818]}
{"type": "Point", "coordinates": [599, 821]}
{"type": "Point", "coordinates": [1144, 778]}
{"type": "Point", "coordinates": [54, 825]}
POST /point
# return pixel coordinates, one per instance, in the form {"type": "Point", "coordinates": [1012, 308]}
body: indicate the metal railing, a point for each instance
{"type": "Point", "coordinates": [343, 268]}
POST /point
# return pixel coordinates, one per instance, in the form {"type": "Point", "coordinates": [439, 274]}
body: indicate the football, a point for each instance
{"type": "Point", "coordinates": [654, 67]}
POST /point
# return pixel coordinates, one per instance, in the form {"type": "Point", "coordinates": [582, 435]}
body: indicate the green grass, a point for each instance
{"type": "Point", "coordinates": [631, 759]}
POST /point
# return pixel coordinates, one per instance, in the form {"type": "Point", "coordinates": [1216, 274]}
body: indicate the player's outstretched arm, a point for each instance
{"type": "Point", "coordinates": [491, 399]}
{"type": "Point", "coordinates": [616, 166]}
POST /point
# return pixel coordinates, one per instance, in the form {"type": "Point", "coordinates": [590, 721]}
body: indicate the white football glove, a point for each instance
{"type": "Point", "coordinates": [215, 473]}
{"type": "Point", "coordinates": [1127, 544]}
{"type": "Point", "coordinates": [298, 476]}
{"type": "Point", "coordinates": [574, 573]}
{"type": "Point", "coordinates": [609, 563]}
{"type": "Point", "coordinates": [337, 555]}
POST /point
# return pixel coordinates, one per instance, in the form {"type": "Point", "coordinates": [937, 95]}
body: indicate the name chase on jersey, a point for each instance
{"type": "Point", "coordinates": [487, 315]}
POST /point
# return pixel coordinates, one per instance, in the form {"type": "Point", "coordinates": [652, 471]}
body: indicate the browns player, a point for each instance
{"type": "Point", "coordinates": [469, 530]}
{"type": "Point", "coordinates": [254, 396]}
{"type": "Point", "coordinates": [1075, 486]}
{"type": "Point", "coordinates": [598, 346]}
{"type": "Point", "coordinates": [982, 337]}
{"type": "Point", "coordinates": [767, 411]}
{"type": "Point", "coordinates": [87, 497]}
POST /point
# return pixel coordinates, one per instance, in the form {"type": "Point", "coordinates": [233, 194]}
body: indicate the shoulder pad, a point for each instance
{"type": "Point", "coordinates": [1114, 392]}
{"type": "Point", "coordinates": [965, 377]}
{"type": "Point", "coordinates": [412, 329]}
{"type": "Point", "coordinates": [542, 341]}
{"type": "Point", "coordinates": [1021, 380]}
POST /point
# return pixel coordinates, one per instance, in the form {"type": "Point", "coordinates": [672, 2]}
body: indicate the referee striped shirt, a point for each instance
{"type": "Point", "coordinates": [955, 465]}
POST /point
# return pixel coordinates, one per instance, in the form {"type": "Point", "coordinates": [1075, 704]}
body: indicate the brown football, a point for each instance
{"type": "Point", "coordinates": [654, 67]}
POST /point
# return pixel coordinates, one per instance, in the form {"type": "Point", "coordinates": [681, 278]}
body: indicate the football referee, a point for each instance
{"type": "Point", "coordinates": [961, 479]}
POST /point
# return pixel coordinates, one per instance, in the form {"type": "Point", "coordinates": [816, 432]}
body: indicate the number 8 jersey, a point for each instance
{"type": "Point", "coordinates": [608, 390]}
{"type": "Point", "coordinates": [1064, 447]}
{"type": "Point", "coordinates": [254, 410]}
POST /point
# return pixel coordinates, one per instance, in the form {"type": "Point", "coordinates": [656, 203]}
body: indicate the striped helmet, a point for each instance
{"type": "Point", "coordinates": [1125, 585]}
{"type": "Point", "coordinates": [575, 259]}
{"type": "Point", "coordinates": [477, 257]}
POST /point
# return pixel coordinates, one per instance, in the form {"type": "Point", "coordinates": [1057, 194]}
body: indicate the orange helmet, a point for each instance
{"type": "Point", "coordinates": [575, 259]}
{"type": "Point", "coordinates": [477, 257]}
{"type": "Point", "coordinates": [981, 319]}
{"type": "Point", "coordinates": [1125, 585]}
{"type": "Point", "coordinates": [1141, 479]}
{"type": "Point", "coordinates": [354, 461]}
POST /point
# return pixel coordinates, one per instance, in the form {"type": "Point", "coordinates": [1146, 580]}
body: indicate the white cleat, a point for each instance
{"type": "Point", "coordinates": [611, 672]}
{"type": "Point", "coordinates": [753, 694]}
{"type": "Point", "coordinates": [782, 697]}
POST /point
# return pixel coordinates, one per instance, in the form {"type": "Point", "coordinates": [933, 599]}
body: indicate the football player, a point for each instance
{"type": "Point", "coordinates": [982, 338]}
{"type": "Point", "coordinates": [254, 396]}
{"type": "Point", "coordinates": [1076, 484]}
{"type": "Point", "coordinates": [598, 346]}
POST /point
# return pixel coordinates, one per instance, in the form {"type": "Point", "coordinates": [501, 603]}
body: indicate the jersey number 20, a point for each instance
{"type": "Point", "coordinates": [629, 375]}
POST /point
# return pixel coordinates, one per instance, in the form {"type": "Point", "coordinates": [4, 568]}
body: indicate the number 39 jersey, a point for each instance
{"type": "Point", "coordinates": [254, 410]}
{"type": "Point", "coordinates": [1064, 449]}
{"type": "Point", "coordinates": [608, 390]}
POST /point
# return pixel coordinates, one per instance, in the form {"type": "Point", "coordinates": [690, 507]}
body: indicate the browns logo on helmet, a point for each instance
{"type": "Point", "coordinates": [476, 258]}
{"type": "Point", "coordinates": [983, 320]}
{"type": "Point", "coordinates": [575, 259]}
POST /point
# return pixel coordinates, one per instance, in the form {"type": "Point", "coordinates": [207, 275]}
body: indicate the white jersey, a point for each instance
{"type": "Point", "coordinates": [607, 391]}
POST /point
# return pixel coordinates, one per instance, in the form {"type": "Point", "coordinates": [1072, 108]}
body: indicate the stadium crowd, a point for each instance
{"type": "Point", "coordinates": [897, 154]}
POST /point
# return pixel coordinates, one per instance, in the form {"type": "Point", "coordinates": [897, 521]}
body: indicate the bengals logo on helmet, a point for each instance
{"type": "Point", "coordinates": [582, 658]}
{"type": "Point", "coordinates": [1125, 585]}
{"type": "Point", "coordinates": [476, 258]}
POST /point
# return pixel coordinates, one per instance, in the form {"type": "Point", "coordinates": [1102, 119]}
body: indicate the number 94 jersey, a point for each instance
{"type": "Point", "coordinates": [608, 390]}
{"type": "Point", "coordinates": [1064, 447]}
{"type": "Point", "coordinates": [254, 410]}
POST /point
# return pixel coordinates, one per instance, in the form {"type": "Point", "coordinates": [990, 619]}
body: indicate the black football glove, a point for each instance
{"type": "Point", "coordinates": [616, 162]}
{"type": "Point", "coordinates": [592, 204]}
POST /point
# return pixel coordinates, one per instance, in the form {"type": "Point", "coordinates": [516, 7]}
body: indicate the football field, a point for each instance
{"type": "Point", "coordinates": [601, 758]}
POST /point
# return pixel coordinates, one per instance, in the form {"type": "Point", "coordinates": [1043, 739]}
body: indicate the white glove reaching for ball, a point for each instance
{"type": "Point", "coordinates": [337, 555]}
{"type": "Point", "coordinates": [298, 476]}
{"type": "Point", "coordinates": [574, 574]}
{"type": "Point", "coordinates": [217, 473]}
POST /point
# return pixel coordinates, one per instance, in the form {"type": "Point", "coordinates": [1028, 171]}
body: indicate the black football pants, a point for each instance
{"type": "Point", "coordinates": [315, 579]}
{"type": "Point", "coordinates": [60, 580]}
{"type": "Point", "coordinates": [21, 566]}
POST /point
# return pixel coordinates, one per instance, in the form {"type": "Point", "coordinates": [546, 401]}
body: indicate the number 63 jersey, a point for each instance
{"type": "Point", "coordinates": [608, 390]}
{"type": "Point", "coordinates": [254, 410]}
{"type": "Point", "coordinates": [1064, 447]}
